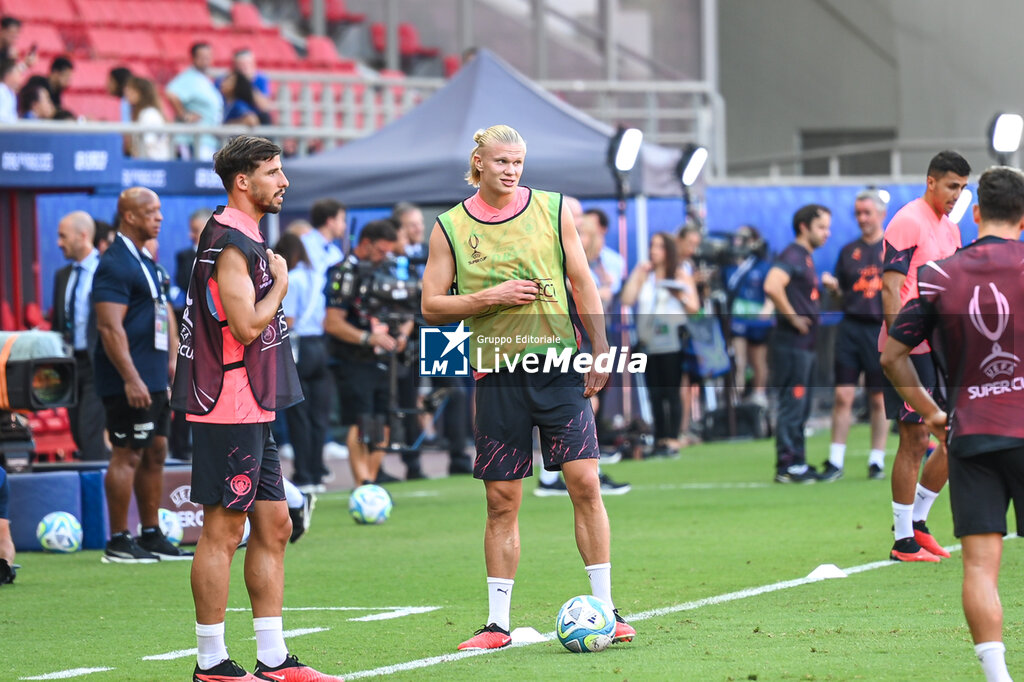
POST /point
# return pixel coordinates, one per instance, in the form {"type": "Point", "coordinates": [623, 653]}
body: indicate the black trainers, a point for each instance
{"type": "Point", "coordinates": [876, 473]}
{"type": "Point", "coordinates": [123, 549]}
{"type": "Point", "coordinates": [225, 670]}
{"type": "Point", "coordinates": [155, 542]}
{"type": "Point", "coordinates": [808, 476]}
{"type": "Point", "coordinates": [555, 489]}
{"type": "Point", "coordinates": [610, 487]}
{"type": "Point", "coordinates": [302, 516]}
{"type": "Point", "coordinates": [7, 572]}
{"type": "Point", "coordinates": [291, 671]}
{"type": "Point", "coordinates": [830, 472]}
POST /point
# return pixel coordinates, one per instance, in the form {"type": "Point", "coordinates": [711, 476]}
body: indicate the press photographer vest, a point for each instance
{"type": "Point", "coordinates": [268, 362]}
{"type": "Point", "coordinates": [526, 246]}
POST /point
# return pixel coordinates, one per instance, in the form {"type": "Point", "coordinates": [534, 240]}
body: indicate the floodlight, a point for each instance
{"type": "Point", "coordinates": [961, 205]}
{"type": "Point", "coordinates": [625, 148]}
{"type": "Point", "coordinates": [1006, 133]}
{"type": "Point", "coordinates": [691, 163]}
{"type": "Point", "coordinates": [884, 195]}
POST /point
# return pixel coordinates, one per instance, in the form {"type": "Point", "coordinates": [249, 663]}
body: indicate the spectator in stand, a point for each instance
{"type": "Point", "coordinates": [244, 62]}
{"type": "Point", "coordinates": [147, 110]}
{"type": "Point", "coordinates": [59, 80]}
{"type": "Point", "coordinates": [240, 96]}
{"type": "Point", "coordinates": [117, 79]}
{"type": "Point", "coordinates": [10, 76]}
{"type": "Point", "coordinates": [105, 235]}
{"type": "Point", "coordinates": [195, 99]}
{"type": "Point", "coordinates": [34, 102]}
{"type": "Point", "coordinates": [10, 28]}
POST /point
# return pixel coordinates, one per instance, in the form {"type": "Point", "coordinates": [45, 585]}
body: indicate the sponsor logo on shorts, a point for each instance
{"type": "Point", "coordinates": [241, 485]}
{"type": "Point", "coordinates": [142, 430]}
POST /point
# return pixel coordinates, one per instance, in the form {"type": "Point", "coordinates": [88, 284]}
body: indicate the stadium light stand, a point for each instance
{"type": "Point", "coordinates": [691, 163]}
{"type": "Point", "coordinates": [961, 205]}
{"type": "Point", "coordinates": [623, 151]}
{"type": "Point", "coordinates": [1005, 136]}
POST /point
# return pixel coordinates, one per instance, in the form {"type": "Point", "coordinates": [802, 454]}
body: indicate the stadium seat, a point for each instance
{"type": "Point", "coordinates": [322, 53]}
{"type": "Point", "coordinates": [34, 318]}
{"type": "Point", "coordinates": [409, 44]}
{"type": "Point", "coordinates": [452, 63]}
{"type": "Point", "coordinates": [55, 12]}
{"type": "Point", "coordinates": [103, 13]}
{"type": "Point", "coordinates": [7, 320]}
{"type": "Point", "coordinates": [124, 44]}
{"type": "Point", "coordinates": [94, 107]}
{"type": "Point", "coordinates": [247, 18]}
{"type": "Point", "coordinates": [335, 10]}
{"type": "Point", "coordinates": [47, 40]}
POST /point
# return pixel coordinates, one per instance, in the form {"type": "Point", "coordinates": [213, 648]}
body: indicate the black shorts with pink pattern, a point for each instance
{"type": "Point", "coordinates": [510, 404]}
{"type": "Point", "coordinates": [233, 465]}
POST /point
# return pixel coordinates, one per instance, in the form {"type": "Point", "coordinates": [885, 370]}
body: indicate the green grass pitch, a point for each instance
{"type": "Point", "coordinates": [708, 524]}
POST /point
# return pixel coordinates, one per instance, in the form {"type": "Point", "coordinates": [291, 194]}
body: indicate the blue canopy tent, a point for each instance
{"type": "Point", "coordinates": [423, 156]}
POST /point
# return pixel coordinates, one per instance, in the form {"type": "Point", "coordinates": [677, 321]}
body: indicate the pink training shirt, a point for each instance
{"type": "Point", "coordinates": [236, 403]}
{"type": "Point", "coordinates": [481, 210]}
{"type": "Point", "coordinates": [916, 235]}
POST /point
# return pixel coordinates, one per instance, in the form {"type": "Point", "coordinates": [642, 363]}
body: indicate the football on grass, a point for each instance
{"type": "Point", "coordinates": [60, 532]}
{"type": "Point", "coordinates": [585, 623]}
{"type": "Point", "coordinates": [370, 504]}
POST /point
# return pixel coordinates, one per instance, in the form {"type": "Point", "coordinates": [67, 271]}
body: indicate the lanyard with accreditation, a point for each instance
{"type": "Point", "coordinates": [161, 322]}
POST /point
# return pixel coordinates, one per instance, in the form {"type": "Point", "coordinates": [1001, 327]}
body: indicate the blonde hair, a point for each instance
{"type": "Point", "coordinates": [499, 134]}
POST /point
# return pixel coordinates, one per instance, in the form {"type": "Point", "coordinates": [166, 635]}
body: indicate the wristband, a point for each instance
{"type": "Point", "coordinates": [366, 339]}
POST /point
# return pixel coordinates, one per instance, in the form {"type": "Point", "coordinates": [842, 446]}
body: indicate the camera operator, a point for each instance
{"type": "Point", "coordinates": [358, 341]}
{"type": "Point", "coordinates": [750, 310]}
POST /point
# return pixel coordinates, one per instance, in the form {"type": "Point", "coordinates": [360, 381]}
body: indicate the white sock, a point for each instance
{"type": "Point", "coordinates": [499, 601]}
{"type": "Point", "coordinates": [837, 454]}
{"type": "Point", "coordinates": [212, 650]}
{"type": "Point", "coordinates": [923, 501]}
{"type": "Point", "coordinates": [292, 494]}
{"type": "Point", "coordinates": [992, 656]}
{"type": "Point", "coordinates": [270, 647]}
{"type": "Point", "coordinates": [601, 581]}
{"type": "Point", "coordinates": [877, 457]}
{"type": "Point", "coordinates": [548, 477]}
{"type": "Point", "coordinates": [903, 525]}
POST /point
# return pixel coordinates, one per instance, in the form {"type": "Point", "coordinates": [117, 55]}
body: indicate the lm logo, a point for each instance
{"type": "Point", "coordinates": [444, 351]}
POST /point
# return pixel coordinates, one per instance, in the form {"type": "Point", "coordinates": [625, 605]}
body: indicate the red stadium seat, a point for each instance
{"type": "Point", "coordinates": [452, 64]}
{"type": "Point", "coordinates": [124, 44]}
{"type": "Point", "coordinates": [46, 39]}
{"type": "Point", "coordinates": [34, 317]}
{"type": "Point", "coordinates": [94, 107]}
{"type": "Point", "coordinates": [334, 9]}
{"type": "Point", "coordinates": [7, 321]}
{"type": "Point", "coordinates": [56, 12]}
{"type": "Point", "coordinates": [322, 53]}
{"type": "Point", "coordinates": [409, 44]}
{"type": "Point", "coordinates": [378, 36]}
{"type": "Point", "coordinates": [102, 13]}
{"type": "Point", "coordinates": [247, 18]}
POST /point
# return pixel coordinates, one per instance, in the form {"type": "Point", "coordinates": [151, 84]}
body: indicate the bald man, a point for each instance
{"type": "Point", "coordinates": [133, 369]}
{"type": "Point", "coordinates": [72, 317]}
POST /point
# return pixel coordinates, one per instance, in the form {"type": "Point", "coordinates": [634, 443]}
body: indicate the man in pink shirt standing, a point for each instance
{"type": "Point", "coordinates": [919, 232]}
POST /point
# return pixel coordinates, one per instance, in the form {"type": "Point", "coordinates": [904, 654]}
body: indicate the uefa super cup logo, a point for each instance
{"type": "Point", "coordinates": [998, 361]}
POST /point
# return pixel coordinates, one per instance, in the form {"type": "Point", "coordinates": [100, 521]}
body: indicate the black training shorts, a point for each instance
{"type": "Point", "coordinates": [856, 352]}
{"type": "Point", "coordinates": [510, 404]}
{"type": "Point", "coordinates": [980, 490]}
{"type": "Point", "coordinates": [135, 427]}
{"type": "Point", "coordinates": [233, 465]}
{"type": "Point", "coordinates": [897, 408]}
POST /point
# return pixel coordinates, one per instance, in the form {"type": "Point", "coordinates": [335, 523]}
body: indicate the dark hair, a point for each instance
{"type": "Point", "coordinates": [243, 90]}
{"type": "Point", "coordinates": [243, 154]}
{"type": "Point", "coordinates": [1001, 195]}
{"type": "Point", "coordinates": [196, 47]}
{"type": "Point", "coordinates": [148, 96]}
{"type": "Point", "coordinates": [749, 236]}
{"type": "Point", "coordinates": [687, 230]}
{"type": "Point", "coordinates": [323, 210]}
{"type": "Point", "coordinates": [290, 247]}
{"type": "Point", "coordinates": [9, 22]}
{"type": "Point", "coordinates": [806, 214]}
{"type": "Point", "coordinates": [948, 162]}
{"type": "Point", "coordinates": [671, 253]}
{"type": "Point", "coordinates": [104, 232]}
{"type": "Point", "coordinates": [401, 208]}
{"type": "Point", "coordinates": [61, 63]}
{"type": "Point", "coordinates": [28, 96]}
{"type": "Point", "coordinates": [378, 230]}
{"type": "Point", "coordinates": [121, 76]}
{"type": "Point", "coordinates": [6, 66]}
{"type": "Point", "coordinates": [602, 217]}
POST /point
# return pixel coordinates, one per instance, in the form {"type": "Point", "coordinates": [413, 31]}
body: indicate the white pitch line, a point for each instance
{"type": "Point", "coordinates": [643, 615]}
{"type": "Point", "coordinates": [66, 674]}
{"type": "Point", "coordinates": [185, 653]}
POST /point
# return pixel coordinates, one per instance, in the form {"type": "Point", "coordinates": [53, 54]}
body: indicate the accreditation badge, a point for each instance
{"type": "Point", "coordinates": [161, 326]}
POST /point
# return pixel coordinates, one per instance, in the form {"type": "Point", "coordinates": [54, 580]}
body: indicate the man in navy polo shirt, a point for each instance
{"type": "Point", "coordinates": [134, 319]}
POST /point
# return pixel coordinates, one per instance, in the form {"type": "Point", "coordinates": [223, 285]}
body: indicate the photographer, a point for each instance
{"type": "Point", "coordinates": [750, 310]}
{"type": "Point", "coordinates": [358, 339]}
